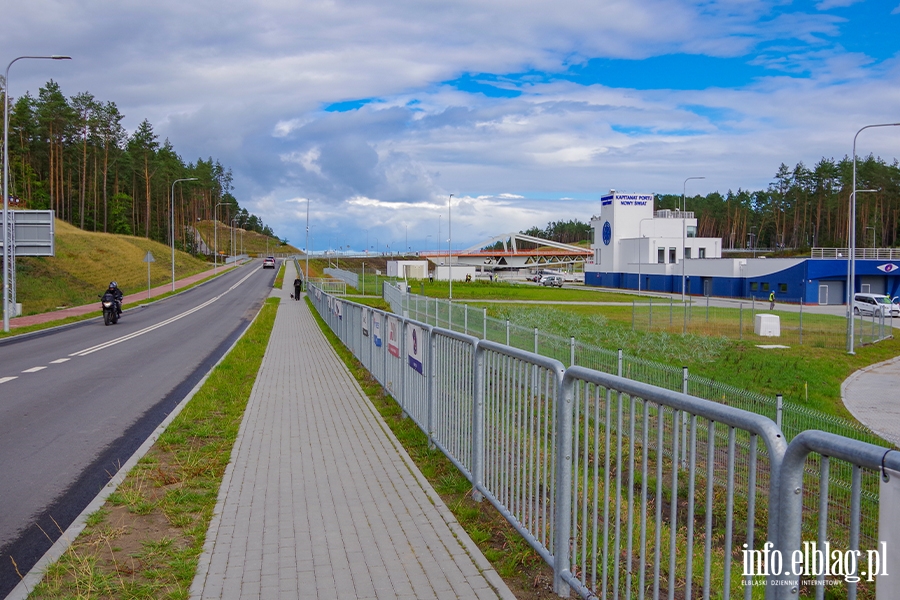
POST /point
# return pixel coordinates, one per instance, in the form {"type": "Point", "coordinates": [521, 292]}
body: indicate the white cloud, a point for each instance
{"type": "Point", "coordinates": [247, 83]}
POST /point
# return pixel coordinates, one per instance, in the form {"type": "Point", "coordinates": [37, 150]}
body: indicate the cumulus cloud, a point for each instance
{"type": "Point", "coordinates": [256, 84]}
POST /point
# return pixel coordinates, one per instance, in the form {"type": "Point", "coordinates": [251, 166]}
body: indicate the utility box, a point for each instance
{"type": "Point", "coordinates": [766, 325]}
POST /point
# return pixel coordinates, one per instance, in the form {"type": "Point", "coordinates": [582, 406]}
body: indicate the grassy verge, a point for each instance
{"type": "Point", "coordinates": [146, 541]}
{"type": "Point", "coordinates": [524, 571]}
{"type": "Point", "coordinates": [279, 279]}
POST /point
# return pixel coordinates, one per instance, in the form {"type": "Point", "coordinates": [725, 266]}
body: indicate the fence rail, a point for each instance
{"type": "Point", "coordinates": [626, 489]}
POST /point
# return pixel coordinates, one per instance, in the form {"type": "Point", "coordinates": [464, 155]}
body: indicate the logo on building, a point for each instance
{"type": "Point", "coordinates": [888, 268]}
{"type": "Point", "coordinates": [607, 233]}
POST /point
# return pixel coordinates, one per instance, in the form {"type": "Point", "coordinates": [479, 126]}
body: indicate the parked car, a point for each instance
{"type": "Point", "coordinates": [875, 304]}
{"type": "Point", "coordinates": [269, 262]}
{"type": "Point", "coordinates": [552, 280]}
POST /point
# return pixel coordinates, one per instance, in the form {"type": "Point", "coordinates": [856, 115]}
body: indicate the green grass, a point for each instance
{"type": "Point", "coordinates": [805, 374]}
{"type": "Point", "coordinates": [497, 290]}
{"type": "Point", "coordinates": [176, 484]}
{"type": "Point", "coordinates": [86, 262]}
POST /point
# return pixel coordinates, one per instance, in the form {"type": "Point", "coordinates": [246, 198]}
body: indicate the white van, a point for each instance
{"type": "Point", "coordinates": [875, 304]}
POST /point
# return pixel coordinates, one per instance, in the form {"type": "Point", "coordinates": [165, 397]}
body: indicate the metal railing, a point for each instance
{"type": "Point", "coordinates": [873, 253]}
{"type": "Point", "coordinates": [593, 469]}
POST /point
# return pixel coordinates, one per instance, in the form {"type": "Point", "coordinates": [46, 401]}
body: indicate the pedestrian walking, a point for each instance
{"type": "Point", "coordinates": [298, 287]}
{"type": "Point", "coordinates": [772, 300]}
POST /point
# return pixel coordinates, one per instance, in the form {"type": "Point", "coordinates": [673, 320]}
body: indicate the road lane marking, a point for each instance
{"type": "Point", "coordinates": [135, 334]}
{"type": "Point", "coordinates": [5, 379]}
{"type": "Point", "coordinates": [59, 360]}
{"type": "Point", "coordinates": [34, 369]}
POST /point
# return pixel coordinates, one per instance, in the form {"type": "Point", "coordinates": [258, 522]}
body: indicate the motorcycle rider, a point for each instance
{"type": "Point", "coordinates": [117, 294]}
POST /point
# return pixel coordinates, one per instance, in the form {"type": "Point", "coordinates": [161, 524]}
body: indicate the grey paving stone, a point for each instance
{"type": "Point", "coordinates": [319, 499]}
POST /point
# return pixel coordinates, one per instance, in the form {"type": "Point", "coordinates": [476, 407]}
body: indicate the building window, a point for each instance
{"type": "Point", "coordinates": [661, 256]}
{"type": "Point", "coordinates": [687, 252]}
{"type": "Point", "coordinates": [782, 288]}
{"type": "Point", "coordinates": [765, 286]}
{"type": "Point", "coordinates": [692, 231]}
{"type": "Point", "coordinates": [754, 286]}
{"type": "Point", "coordinates": [701, 252]}
{"type": "Point", "coordinates": [672, 255]}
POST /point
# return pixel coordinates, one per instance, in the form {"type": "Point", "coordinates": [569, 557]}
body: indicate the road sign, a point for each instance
{"type": "Point", "coordinates": [149, 258]}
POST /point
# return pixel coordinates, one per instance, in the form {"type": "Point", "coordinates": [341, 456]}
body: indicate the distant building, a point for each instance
{"type": "Point", "coordinates": [637, 248]}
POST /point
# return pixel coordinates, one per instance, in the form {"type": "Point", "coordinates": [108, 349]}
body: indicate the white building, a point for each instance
{"type": "Point", "coordinates": [635, 247]}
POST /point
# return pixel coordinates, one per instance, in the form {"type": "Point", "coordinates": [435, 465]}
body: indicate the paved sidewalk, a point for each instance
{"type": "Point", "coordinates": [320, 500]}
{"type": "Point", "coordinates": [870, 395]}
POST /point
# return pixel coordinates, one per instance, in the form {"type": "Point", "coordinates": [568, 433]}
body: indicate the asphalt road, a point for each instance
{"type": "Point", "coordinates": [76, 402]}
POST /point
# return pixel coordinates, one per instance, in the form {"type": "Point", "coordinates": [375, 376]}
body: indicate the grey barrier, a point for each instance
{"type": "Point", "coordinates": [867, 462]}
{"type": "Point", "coordinates": [593, 469]}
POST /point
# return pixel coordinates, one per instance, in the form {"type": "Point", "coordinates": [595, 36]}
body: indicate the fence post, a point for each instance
{"type": "Point", "coordinates": [707, 309]}
{"type": "Point", "coordinates": [619, 364]}
{"type": "Point", "coordinates": [535, 340]}
{"type": "Point", "coordinates": [484, 321]}
{"type": "Point", "coordinates": [633, 308]}
{"type": "Point", "coordinates": [650, 327]}
{"type": "Point", "coordinates": [684, 390]}
{"type": "Point", "coordinates": [478, 426]}
{"type": "Point", "coordinates": [801, 321]}
{"type": "Point", "coordinates": [466, 318]}
{"type": "Point", "coordinates": [572, 351]}
{"type": "Point", "coordinates": [741, 322]}
{"type": "Point", "coordinates": [507, 332]}
{"type": "Point", "coordinates": [402, 341]}
{"type": "Point", "coordinates": [563, 517]}
{"type": "Point", "coordinates": [779, 401]}
{"type": "Point", "coordinates": [450, 315]}
{"type": "Point", "coordinates": [432, 347]}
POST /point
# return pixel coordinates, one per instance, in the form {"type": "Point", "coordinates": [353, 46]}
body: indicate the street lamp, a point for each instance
{"type": "Point", "coordinates": [307, 243]}
{"type": "Point", "coordinates": [851, 266]}
{"type": "Point", "coordinates": [684, 231]}
{"type": "Point", "coordinates": [9, 253]}
{"type": "Point", "coordinates": [450, 245]}
{"type": "Point", "coordinates": [172, 225]}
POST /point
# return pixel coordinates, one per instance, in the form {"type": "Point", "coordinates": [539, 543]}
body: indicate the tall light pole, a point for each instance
{"type": "Point", "coordinates": [450, 245]}
{"type": "Point", "coordinates": [216, 234]}
{"type": "Point", "coordinates": [851, 265]}
{"type": "Point", "coordinates": [684, 231]}
{"type": "Point", "coordinates": [307, 243]}
{"type": "Point", "coordinates": [172, 224]}
{"type": "Point", "coordinates": [9, 253]}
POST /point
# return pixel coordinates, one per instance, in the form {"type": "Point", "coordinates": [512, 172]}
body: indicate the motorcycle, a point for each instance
{"type": "Point", "coordinates": [110, 308]}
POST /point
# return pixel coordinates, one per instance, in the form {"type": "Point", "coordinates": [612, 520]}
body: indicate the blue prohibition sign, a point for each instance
{"type": "Point", "coordinates": [607, 233]}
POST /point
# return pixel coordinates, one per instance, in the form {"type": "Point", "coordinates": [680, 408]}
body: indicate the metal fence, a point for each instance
{"type": "Point", "coordinates": [796, 326]}
{"type": "Point", "coordinates": [792, 417]}
{"type": "Point", "coordinates": [627, 490]}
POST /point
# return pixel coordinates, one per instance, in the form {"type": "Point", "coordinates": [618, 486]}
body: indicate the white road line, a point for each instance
{"type": "Point", "coordinates": [5, 379]}
{"type": "Point", "coordinates": [59, 360]}
{"type": "Point", "coordinates": [34, 369]}
{"type": "Point", "coordinates": [125, 338]}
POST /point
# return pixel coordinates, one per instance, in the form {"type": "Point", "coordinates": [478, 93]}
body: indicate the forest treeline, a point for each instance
{"type": "Point", "coordinates": [74, 156]}
{"type": "Point", "coordinates": [801, 208]}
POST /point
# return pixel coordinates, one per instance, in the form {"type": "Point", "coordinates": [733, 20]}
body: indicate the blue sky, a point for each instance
{"type": "Point", "coordinates": [374, 111]}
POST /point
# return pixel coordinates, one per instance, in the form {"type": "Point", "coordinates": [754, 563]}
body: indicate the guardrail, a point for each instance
{"type": "Point", "coordinates": [626, 489]}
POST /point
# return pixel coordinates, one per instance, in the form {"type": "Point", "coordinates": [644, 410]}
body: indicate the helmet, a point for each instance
{"type": "Point", "coordinates": [113, 285]}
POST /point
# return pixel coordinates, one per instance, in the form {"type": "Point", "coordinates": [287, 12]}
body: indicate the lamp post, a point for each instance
{"type": "Point", "coordinates": [640, 243]}
{"type": "Point", "coordinates": [851, 265]}
{"type": "Point", "coordinates": [450, 245]}
{"type": "Point", "coordinates": [684, 231]}
{"type": "Point", "coordinates": [753, 240]}
{"type": "Point", "coordinates": [172, 224]}
{"type": "Point", "coordinates": [216, 234]}
{"type": "Point", "coordinates": [9, 253]}
{"type": "Point", "coordinates": [307, 243]}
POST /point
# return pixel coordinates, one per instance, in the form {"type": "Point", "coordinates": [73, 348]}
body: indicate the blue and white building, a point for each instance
{"type": "Point", "coordinates": [637, 248]}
